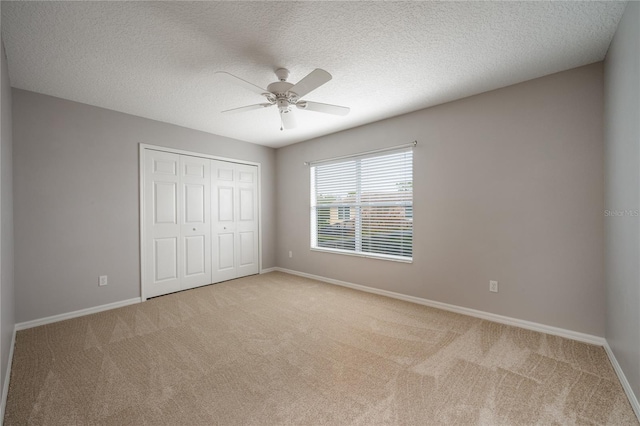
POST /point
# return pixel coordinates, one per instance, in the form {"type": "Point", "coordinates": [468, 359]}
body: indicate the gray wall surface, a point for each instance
{"type": "Point", "coordinates": [7, 319]}
{"type": "Point", "coordinates": [622, 194]}
{"type": "Point", "coordinates": [508, 186]}
{"type": "Point", "coordinates": [77, 196]}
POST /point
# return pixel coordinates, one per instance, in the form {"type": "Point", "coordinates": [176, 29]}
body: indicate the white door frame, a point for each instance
{"type": "Point", "coordinates": [143, 150]}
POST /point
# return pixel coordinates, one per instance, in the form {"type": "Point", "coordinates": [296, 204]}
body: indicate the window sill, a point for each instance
{"type": "Point", "coordinates": [370, 256]}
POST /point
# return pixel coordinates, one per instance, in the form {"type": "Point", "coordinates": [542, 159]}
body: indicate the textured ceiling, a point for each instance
{"type": "Point", "coordinates": [157, 59]}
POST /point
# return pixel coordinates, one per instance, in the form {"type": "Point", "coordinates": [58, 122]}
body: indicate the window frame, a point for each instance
{"type": "Point", "coordinates": [356, 208]}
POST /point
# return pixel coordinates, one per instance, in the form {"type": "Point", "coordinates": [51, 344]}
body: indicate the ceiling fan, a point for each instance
{"type": "Point", "coordinates": [286, 95]}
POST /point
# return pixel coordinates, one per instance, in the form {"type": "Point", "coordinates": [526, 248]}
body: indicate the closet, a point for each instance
{"type": "Point", "coordinates": [199, 221]}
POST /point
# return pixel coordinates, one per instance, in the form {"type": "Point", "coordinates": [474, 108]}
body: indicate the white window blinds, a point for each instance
{"type": "Point", "coordinates": [364, 205]}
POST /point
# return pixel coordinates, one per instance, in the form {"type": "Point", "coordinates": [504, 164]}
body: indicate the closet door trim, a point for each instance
{"type": "Point", "coordinates": [143, 149]}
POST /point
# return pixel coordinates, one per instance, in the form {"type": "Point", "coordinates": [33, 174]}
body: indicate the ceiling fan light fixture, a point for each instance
{"type": "Point", "coordinates": [283, 105]}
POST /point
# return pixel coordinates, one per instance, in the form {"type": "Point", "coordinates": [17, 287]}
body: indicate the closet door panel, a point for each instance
{"type": "Point", "coordinates": [225, 251]}
{"type": "Point", "coordinates": [165, 259]}
{"type": "Point", "coordinates": [223, 206]}
{"type": "Point", "coordinates": [196, 256]}
{"type": "Point", "coordinates": [195, 202]}
{"type": "Point", "coordinates": [161, 223]}
{"type": "Point", "coordinates": [247, 220]}
{"type": "Point", "coordinates": [247, 255]}
{"type": "Point", "coordinates": [165, 203]}
{"type": "Point", "coordinates": [246, 207]}
{"type": "Point", "coordinates": [194, 207]}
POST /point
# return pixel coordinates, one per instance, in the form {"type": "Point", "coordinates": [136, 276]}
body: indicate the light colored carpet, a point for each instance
{"type": "Point", "coordinates": [280, 349]}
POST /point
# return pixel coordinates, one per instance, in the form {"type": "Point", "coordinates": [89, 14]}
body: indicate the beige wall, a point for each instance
{"type": "Point", "coordinates": [508, 187]}
{"type": "Point", "coordinates": [7, 318]}
{"type": "Point", "coordinates": [622, 168]}
{"type": "Point", "coordinates": [76, 200]}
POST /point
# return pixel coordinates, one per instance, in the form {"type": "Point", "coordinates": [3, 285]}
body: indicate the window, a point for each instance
{"type": "Point", "coordinates": [344, 213]}
{"type": "Point", "coordinates": [364, 205]}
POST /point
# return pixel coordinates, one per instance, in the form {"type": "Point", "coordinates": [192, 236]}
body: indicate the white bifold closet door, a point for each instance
{"type": "Point", "coordinates": [234, 206]}
{"type": "Point", "coordinates": [200, 222]}
{"type": "Point", "coordinates": [177, 197]}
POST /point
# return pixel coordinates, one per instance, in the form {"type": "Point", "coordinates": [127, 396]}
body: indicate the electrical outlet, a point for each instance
{"type": "Point", "coordinates": [102, 280]}
{"type": "Point", "coordinates": [493, 286]}
{"type": "Point", "coordinates": [290, 254]}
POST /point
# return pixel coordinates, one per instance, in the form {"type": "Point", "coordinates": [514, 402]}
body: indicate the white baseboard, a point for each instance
{"type": "Point", "coordinates": [266, 271]}
{"type": "Point", "coordinates": [75, 314]}
{"type": "Point", "coordinates": [7, 377]}
{"type": "Point", "coordinates": [529, 325]}
{"type": "Point", "coordinates": [633, 400]}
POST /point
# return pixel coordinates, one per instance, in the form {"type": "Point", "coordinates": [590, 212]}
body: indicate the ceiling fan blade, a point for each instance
{"type": "Point", "coordinates": [241, 82]}
{"type": "Point", "coordinates": [247, 108]}
{"type": "Point", "coordinates": [326, 108]}
{"type": "Point", "coordinates": [312, 81]}
{"type": "Point", "coordinates": [288, 119]}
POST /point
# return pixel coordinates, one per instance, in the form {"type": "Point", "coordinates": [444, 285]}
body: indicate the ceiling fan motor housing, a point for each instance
{"type": "Point", "coordinates": [282, 74]}
{"type": "Point", "coordinates": [279, 88]}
